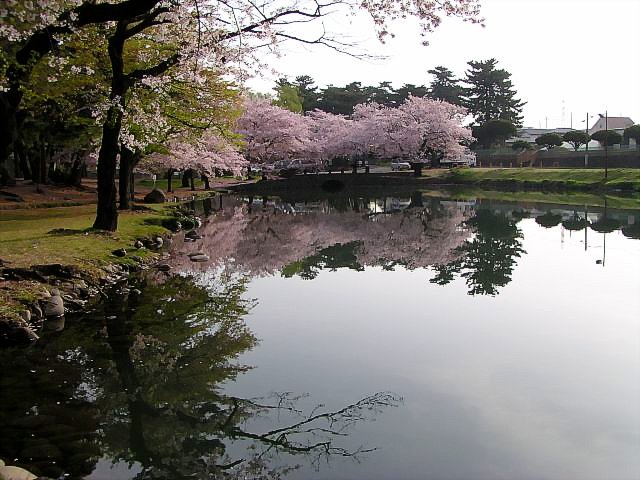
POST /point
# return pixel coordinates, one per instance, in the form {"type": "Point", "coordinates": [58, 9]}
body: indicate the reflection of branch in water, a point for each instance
{"type": "Point", "coordinates": [318, 428]}
{"type": "Point", "coordinates": [173, 420]}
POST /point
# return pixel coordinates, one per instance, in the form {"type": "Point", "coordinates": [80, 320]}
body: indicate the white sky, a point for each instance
{"type": "Point", "coordinates": [565, 56]}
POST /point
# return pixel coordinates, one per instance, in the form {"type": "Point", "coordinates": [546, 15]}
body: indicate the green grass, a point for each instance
{"type": "Point", "coordinates": [564, 198]}
{"type": "Point", "coordinates": [569, 176]}
{"type": "Point", "coordinates": [63, 235]}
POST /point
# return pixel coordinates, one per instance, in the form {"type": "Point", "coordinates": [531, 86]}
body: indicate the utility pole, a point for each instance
{"type": "Point", "coordinates": [606, 144]}
{"type": "Point", "coordinates": [586, 151]}
{"type": "Point", "coordinates": [586, 225]}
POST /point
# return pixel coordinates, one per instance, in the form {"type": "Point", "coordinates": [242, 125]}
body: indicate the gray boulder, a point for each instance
{"type": "Point", "coordinates": [54, 306]}
{"type": "Point", "coordinates": [199, 257]}
{"type": "Point", "coordinates": [15, 332]}
{"type": "Point", "coordinates": [155, 196]}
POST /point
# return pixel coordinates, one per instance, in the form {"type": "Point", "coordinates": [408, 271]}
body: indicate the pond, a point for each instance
{"type": "Point", "coordinates": [381, 335]}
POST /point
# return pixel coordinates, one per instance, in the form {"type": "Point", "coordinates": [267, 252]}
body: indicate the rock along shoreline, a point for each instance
{"type": "Point", "coordinates": [57, 290]}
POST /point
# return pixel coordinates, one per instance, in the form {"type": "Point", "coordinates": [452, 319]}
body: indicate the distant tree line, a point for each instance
{"type": "Point", "coordinates": [486, 91]}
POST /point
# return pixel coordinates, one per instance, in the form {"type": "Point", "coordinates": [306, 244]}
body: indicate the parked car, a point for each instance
{"type": "Point", "coordinates": [257, 169]}
{"type": "Point", "coordinates": [398, 165]}
{"type": "Point", "coordinates": [275, 167]}
{"type": "Point", "coordinates": [343, 163]}
{"type": "Point", "coordinates": [300, 166]}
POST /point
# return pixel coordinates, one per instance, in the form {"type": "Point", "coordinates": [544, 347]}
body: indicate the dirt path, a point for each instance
{"type": "Point", "coordinates": [25, 194]}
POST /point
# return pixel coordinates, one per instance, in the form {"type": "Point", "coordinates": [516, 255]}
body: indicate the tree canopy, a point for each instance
{"type": "Point", "coordinates": [521, 145]}
{"type": "Point", "coordinates": [549, 140]}
{"type": "Point", "coordinates": [607, 138]}
{"type": "Point", "coordinates": [490, 94]}
{"type": "Point", "coordinates": [494, 131]}
{"type": "Point", "coordinates": [632, 132]}
{"type": "Point", "coordinates": [144, 45]}
{"type": "Point", "coordinates": [576, 138]}
{"type": "Point", "coordinates": [445, 86]}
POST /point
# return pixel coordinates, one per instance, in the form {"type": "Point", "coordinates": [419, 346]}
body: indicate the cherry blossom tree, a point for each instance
{"type": "Point", "coordinates": [188, 34]}
{"type": "Point", "coordinates": [206, 154]}
{"type": "Point", "coordinates": [192, 112]}
{"type": "Point", "coordinates": [419, 130]}
{"type": "Point", "coordinates": [335, 136]}
{"type": "Point", "coordinates": [272, 133]}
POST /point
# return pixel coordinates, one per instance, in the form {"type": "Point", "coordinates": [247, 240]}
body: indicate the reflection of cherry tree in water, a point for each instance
{"type": "Point", "coordinates": [486, 261]}
{"type": "Point", "coordinates": [150, 383]}
{"type": "Point", "coordinates": [265, 240]}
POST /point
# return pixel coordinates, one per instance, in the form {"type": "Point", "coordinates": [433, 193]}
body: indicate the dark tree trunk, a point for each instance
{"type": "Point", "coordinates": [192, 182]}
{"type": "Point", "coordinates": [21, 153]}
{"type": "Point", "coordinates": [417, 169]}
{"type": "Point", "coordinates": [107, 214]}
{"type": "Point", "coordinates": [205, 179]}
{"type": "Point", "coordinates": [44, 171]}
{"type": "Point", "coordinates": [124, 180]}
{"type": "Point", "coordinates": [75, 175]}
{"type": "Point", "coordinates": [132, 186]}
{"type": "Point", "coordinates": [9, 102]}
{"type": "Point", "coordinates": [169, 178]}
{"type": "Point", "coordinates": [187, 175]}
{"type": "Point", "coordinates": [207, 205]}
{"type": "Point", "coordinates": [416, 200]}
{"type": "Point", "coordinates": [34, 163]}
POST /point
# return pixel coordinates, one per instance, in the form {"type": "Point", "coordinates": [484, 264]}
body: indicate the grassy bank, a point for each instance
{"type": "Point", "coordinates": [570, 198]}
{"type": "Point", "coordinates": [569, 178]}
{"type": "Point", "coordinates": [64, 236]}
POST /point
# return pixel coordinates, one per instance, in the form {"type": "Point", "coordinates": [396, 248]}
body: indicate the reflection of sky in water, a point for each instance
{"type": "Point", "coordinates": [536, 376]}
{"type": "Point", "coordinates": [540, 381]}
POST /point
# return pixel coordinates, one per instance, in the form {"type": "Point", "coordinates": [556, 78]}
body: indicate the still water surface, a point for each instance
{"type": "Point", "coordinates": [367, 337]}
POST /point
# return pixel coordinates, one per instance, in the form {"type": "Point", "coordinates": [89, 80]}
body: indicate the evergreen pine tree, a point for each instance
{"type": "Point", "coordinates": [491, 95]}
{"type": "Point", "coordinates": [445, 86]}
{"type": "Point", "coordinates": [308, 92]}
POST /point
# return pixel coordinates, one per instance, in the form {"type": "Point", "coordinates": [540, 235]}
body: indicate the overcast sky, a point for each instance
{"type": "Point", "coordinates": [566, 56]}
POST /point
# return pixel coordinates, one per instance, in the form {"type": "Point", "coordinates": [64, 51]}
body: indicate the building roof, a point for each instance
{"type": "Point", "coordinates": [530, 134]}
{"type": "Point", "coordinates": [613, 123]}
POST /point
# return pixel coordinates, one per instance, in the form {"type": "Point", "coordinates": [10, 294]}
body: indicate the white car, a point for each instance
{"type": "Point", "coordinates": [467, 159]}
{"type": "Point", "coordinates": [396, 166]}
